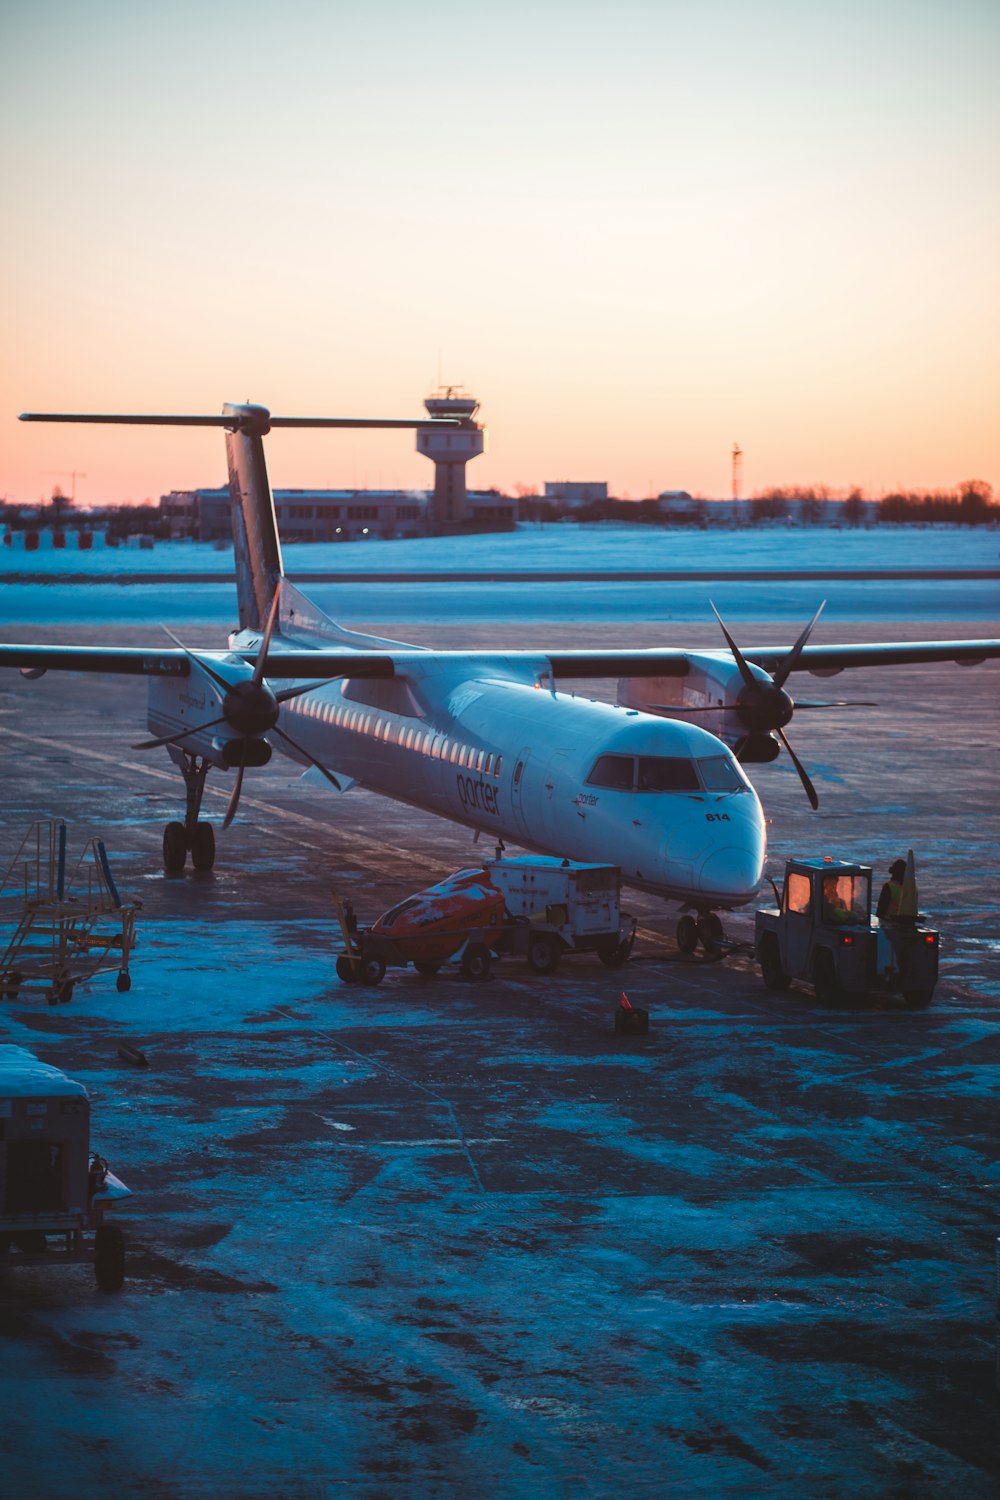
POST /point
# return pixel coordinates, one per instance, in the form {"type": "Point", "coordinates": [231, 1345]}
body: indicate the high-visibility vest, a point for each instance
{"type": "Point", "coordinates": [895, 897]}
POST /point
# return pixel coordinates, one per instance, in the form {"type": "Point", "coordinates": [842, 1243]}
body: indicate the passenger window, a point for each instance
{"type": "Point", "coordinates": [488, 763]}
{"type": "Point", "coordinates": [518, 771]}
{"type": "Point", "coordinates": [499, 763]}
{"type": "Point", "coordinates": [613, 771]}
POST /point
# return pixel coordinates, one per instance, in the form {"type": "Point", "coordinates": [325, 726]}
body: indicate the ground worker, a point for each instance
{"type": "Point", "coordinates": [891, 893]}
{"type": "Point", "coordinates": [835, 908]}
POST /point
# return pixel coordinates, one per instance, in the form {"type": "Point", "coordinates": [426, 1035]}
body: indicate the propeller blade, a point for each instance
{"type": "Point", "coordinates": [171, 739]}
{"type": "Point", "coordinates": [788, 662]}
{"type": "Point", "coordinates": [219, 680]}
{"type": "Point", "coordinates": [690, 708]}
{"type": "Point", "coordinates": [296, 692]}
{"type": "Point", "coordinates": [310, 758]}
{"type": "Point", "coordinates": [840, 703]}
{"type": "Point", "coordinates": [810, 790]}
{"type": "Point", "coordinates": [234, 800]}
{"type": "Point", "coordinates": [258, 671]}
{"type": "Point", "coordinates": [741, 661]}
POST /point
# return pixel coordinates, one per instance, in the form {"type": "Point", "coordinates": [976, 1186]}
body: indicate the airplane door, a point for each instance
{"type": "Point", "coordinates": [517, 790]}
{"type": "Point", "coordinates": [553, 797]}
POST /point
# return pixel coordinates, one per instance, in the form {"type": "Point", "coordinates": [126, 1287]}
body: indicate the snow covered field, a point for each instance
{"type": "Point", "coordinates": [566, 546]}
{"type": "Point", "coordinates": [610, 550]}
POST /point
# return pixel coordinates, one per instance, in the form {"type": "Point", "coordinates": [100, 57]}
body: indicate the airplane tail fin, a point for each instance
{"type": "Point", "coordinates": [257, 547]}
{"type": "Point", "coordinates": [259, 570]}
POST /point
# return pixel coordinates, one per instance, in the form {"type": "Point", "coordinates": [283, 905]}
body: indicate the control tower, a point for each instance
{"type": "Point", "coordinates": [450, 448]}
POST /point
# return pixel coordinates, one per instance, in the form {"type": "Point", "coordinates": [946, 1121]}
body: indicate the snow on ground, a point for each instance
{"type": "Point", "coordinates": [554, 547]}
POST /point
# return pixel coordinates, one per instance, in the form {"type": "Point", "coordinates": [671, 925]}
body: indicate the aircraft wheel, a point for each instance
{"type": "Point", "coordinates": [687, 934]}
{"type": "Point", "coordinates": [348, 972]}
{"type": "Point", "coordinates": [425, 968]}
{"type": "Point", "coordinates": [476, 962]}
{"type": "Point", "coordinates": [710, 933]}
{"type": "Point", "coordinates": [828, 991]}
{"type": "Point", "coordinates": [917, 999]}
{"type": "Point", "coordinates": [372, 969]}
{"type": "Point", "coordinates": [203, 846]}
{"type": "Point", "coordinates": [174, 848]}
{"type": "Point", "coordinates": [109, 1258]}
{"type": "Point", "coordinates": [65, 992]}
{"type": "Point", "coordinates": [543, 953]}
{"type": "Point", "coordinates": [123, 982]}
{"type": "Point", "coordinates": [769, 959]}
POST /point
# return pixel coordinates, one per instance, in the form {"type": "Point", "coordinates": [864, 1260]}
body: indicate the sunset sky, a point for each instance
{"type": "Point", "coordinates": [637, 232]}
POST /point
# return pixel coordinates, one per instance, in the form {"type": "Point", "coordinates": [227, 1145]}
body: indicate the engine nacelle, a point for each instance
{"type": "Point", "coordinates": [247, 752]}
{"type": "Point", "coordinates": [198, 703]}
{"type": "Point", "coordinates": [712, 695]}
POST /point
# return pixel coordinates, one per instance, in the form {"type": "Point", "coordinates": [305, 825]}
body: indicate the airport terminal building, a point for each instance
{"type": "Point", "coordinates": [332, 515]}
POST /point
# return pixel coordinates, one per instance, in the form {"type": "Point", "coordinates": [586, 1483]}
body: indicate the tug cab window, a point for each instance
{"type": "Point", "coordinates": [613, 771]}
{"type": "Point", "coordinates": [798, 892]}
{"type": "Point", "coordinates": [845, 898]}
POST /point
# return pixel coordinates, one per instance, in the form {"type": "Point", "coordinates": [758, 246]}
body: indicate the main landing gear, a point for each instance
{"type": "Point", "coordinates": [706, 929]}
{"type": "Point", "coordinates": [193, 836]}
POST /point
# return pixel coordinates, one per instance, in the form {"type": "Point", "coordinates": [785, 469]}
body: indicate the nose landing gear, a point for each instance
{"type": "Point", "coordinates": [706, 929]}
{"type": "Point", "coordinates": [192, 836]}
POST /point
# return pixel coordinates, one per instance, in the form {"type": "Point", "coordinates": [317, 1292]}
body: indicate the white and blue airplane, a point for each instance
{"type": "Point", "coordinates": [481, 737]}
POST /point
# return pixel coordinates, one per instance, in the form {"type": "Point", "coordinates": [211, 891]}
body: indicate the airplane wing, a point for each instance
{"type": "Point", "coordinates": [826, 660]}
{"type": "Point", "coordinates": [656, 662]}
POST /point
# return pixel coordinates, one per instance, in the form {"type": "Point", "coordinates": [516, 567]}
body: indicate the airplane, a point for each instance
{"type": "Point", "coordinates": [484, 738]}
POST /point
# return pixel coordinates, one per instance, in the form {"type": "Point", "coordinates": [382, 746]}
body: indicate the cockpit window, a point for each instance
{"type": "Point", "coordinates": [645, 773]}
{"type": "Point", "coordinates": [613, 771]}
{"type": "Point", "coordinates": [720, 775]}
{"type": "Point", "coordinates": [662, 773]}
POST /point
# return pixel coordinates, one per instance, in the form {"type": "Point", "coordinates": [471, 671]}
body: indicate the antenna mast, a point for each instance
{"type": "Point", "coordinates": [737, 470]}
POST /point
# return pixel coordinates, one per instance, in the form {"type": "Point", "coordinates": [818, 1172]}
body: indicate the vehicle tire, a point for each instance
{"type": "Point", "coordinates": [687, 934]}
{"type": "Point", "coordinates": [109, 1258]}
{"type": "Point", "coordinates": [203, 846]}
{"type": "Point", "coordinates": [543, 953]}
{"type": "Point", "coordinates": [824, 977]}
{"type": "Point", "coordinates": [476, 962]}
{"type": "Point", "coordinates": [348, 972]}
{"type": "Point", "coordinates": [12, 984]}
{"type": "Point", "coordinates": [917, 999]}
{"type": "Point", "coordinates": [613, 952]}
{"type": "Point", "coordinates": [710, 932]}
{"type": "Point", "coordinates": [769, 958]}
{"type": "Point", "coordinates": [65, 992]}
{"type": "Point", "coordinates": [174, 848]}
{"type": "Point", "coordinates": [123, 982]}
{"type": "Point", "coordinates": [425, 967]}
{"type": "Point", "coordinates": [372, 969]}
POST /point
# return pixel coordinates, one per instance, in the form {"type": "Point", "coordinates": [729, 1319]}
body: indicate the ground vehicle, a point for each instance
{"type": "Point", "coordinates": [823, 932]}
{"type": "Point", "coordinates": [52, 1187]}
{"type": "Point", "coordinates": [535, 906]}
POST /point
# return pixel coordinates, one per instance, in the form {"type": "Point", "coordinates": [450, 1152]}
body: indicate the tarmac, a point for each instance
{"type": "Point", "coordinates": [438, 1238]}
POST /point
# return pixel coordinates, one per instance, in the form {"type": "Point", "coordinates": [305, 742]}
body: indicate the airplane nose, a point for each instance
{"type": "Point", "coordinates": [731, 874]}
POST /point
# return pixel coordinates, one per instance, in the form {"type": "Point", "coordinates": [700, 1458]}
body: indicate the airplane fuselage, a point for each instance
{"type": "Point", "coordinates": [664, 801]}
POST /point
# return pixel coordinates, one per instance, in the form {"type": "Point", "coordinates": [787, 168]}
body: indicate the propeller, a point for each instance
{"type": "Point", "coordinates": [249, 707]}
{"type": "Point", "coordinates": [765, 707]}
